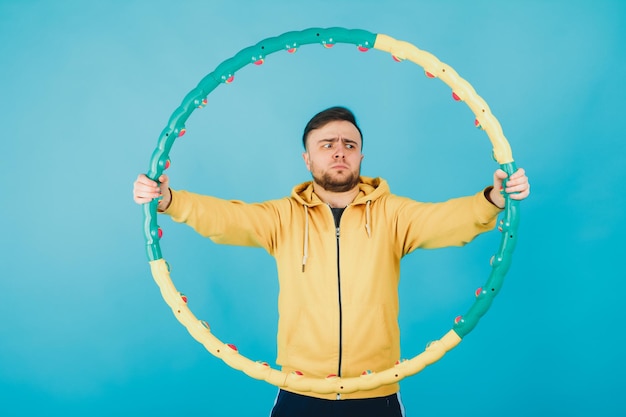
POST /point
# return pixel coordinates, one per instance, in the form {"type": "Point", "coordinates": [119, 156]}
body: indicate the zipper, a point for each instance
{"type": "Point", "coordinates": [337, 235]}
{"type": "Point", "coordinates": [340, 309]}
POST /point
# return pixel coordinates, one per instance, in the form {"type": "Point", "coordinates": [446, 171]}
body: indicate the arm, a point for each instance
{"type": "Point", "coordinates": [458, 221]}
{"type": "Point", "coordinates": [223, 221]}
{"type": "Point", "coordinates": [229, 222]}
{"type": "Point", "coordinates": [451, 223]}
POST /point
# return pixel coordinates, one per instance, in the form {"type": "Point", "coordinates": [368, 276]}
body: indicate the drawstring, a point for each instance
{"type": "Point", "coordinates": [368, 218]}
{"type": "Point", "coordinates": [305, 243]}
{"type": "Point", "coordinates": [306, 237]}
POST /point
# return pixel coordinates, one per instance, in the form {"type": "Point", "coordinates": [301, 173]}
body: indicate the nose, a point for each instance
{"type": "Point", "coordinates": [339, 153]}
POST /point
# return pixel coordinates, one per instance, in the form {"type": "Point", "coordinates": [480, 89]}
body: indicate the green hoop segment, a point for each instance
{"type": "Point", "coordinates": [364, 40]}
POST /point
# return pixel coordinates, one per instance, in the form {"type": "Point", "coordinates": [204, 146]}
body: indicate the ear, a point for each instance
{"type": "Point", "coordinates": [307, 161]}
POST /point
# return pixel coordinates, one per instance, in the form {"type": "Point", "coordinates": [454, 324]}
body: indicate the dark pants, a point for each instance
{"type": "Point", "coordinates": [294, 405]}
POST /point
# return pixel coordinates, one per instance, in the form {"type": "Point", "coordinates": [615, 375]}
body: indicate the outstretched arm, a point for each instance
{"type": "Point", "coordinates": [145, 190]}
{"type": "Point", "coordinates": [517, 186]}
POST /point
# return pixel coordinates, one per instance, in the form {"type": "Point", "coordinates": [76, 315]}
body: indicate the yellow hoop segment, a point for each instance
{"type": "Point", "coordinates": [200, 331]}
{"type": "Point", "coordinates": [461, 88]}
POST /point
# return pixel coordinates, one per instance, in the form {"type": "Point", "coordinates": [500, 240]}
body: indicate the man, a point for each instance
{"type": "Point", "coordinates": [338, 241]}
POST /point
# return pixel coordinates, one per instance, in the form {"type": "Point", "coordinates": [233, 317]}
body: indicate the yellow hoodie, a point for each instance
{"type": "Point", "coordinates": [338, 300]}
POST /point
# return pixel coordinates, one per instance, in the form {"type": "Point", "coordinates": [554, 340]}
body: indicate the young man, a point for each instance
{"type": "Point", "coordinates": [338, 241]}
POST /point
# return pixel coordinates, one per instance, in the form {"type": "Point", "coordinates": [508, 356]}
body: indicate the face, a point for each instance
{"type": "Point", "coordinates": [333, 155]}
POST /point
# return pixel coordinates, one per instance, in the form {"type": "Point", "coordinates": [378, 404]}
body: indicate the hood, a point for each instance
{"type": "Point", "coordinates": [370, 189]}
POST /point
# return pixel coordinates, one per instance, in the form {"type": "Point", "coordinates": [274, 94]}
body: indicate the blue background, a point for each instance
{"type": "Point", "coordinates": [86, 88]}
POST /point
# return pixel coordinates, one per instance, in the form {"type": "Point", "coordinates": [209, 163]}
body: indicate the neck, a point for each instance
{"type": "Point", "coordinates": [336, 199]}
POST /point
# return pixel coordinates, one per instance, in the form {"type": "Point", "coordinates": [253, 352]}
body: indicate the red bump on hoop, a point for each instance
{"type": "Point", "coordinates": [201, 103]}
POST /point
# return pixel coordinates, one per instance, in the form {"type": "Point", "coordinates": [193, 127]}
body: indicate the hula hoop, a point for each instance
{"type": "Point", "coordinates": [364, 40]}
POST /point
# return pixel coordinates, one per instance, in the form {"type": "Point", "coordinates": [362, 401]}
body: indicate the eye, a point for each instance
{"type": "Point", "coordinates": [349, 146]}
{"type": "Point", "coordinates": [327, 145]}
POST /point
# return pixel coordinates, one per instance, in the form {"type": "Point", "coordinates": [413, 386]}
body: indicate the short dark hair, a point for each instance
{"type": "Point", "coordinates": [324, 117]}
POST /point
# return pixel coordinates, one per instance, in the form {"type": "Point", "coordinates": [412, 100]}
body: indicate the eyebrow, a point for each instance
{"type": "Point", "coordinates": [335, 139]}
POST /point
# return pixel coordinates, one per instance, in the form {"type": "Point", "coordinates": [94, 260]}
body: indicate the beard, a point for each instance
{"type": "Point", "coordinates": [337, 185]}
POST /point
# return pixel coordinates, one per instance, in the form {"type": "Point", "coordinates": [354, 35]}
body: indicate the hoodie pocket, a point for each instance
{"type": "Point", "coordinates": [371, 339]}
{"type": "Point", "coordinates": [313, 342]}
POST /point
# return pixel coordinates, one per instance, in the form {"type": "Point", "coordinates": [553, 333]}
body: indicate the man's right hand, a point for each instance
{"type": "Point", "coordinates": [145, 190]}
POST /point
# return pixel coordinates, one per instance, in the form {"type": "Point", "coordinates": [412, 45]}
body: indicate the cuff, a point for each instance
{"type": "Point", "coordinates": [487, 194]}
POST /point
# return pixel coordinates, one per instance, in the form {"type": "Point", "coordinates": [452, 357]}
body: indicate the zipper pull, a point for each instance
{"type": "Point", "coordinates": [337, 233]}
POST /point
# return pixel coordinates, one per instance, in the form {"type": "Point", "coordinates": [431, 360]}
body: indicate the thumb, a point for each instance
{"type": "Point", "coordinates": [500, 174]}
{"type": "Point", "coordinates": [498, 177]}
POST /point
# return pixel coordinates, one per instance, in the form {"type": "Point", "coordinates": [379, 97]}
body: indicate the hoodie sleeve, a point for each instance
{"type": "Point", "coordinates": [229, 222]}
{"type": "Point", "coordinates": [451, 223]}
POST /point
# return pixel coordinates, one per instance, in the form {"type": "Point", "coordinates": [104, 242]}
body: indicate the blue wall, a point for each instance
{"type": "Point", "coordinates": [87, 87]}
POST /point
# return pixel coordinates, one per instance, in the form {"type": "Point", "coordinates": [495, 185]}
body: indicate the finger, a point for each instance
{"type": "Point", "coordinates": [519, 180]}
{"type": "Point", "coordinates": [143, 196]}
{"type": "Point", "coordinates": [145, 190]}
{"type": "Point", "coordinates": [516, 188]}
{"type": "Point", "coordinates": [144, 183]}
{"type": "Point", "coordinates": [520, 195]}
{"type": "Point", "coordinates": [142, 179]}
{"type": "Point", "coordinates": [520, 173]}
{"type": "Point", "coordinates": [142, 200]}
{"type": "Point", "coordinates": [518, 192]}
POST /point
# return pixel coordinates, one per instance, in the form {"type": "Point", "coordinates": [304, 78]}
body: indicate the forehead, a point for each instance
{"type": "Point", "coordinates": [335, 129]}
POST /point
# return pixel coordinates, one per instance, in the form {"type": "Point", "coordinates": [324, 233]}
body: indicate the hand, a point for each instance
{"type": "Point", "coordinates": [517, 186]}
{"type": "Point", "coordinates": [145, 190]}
